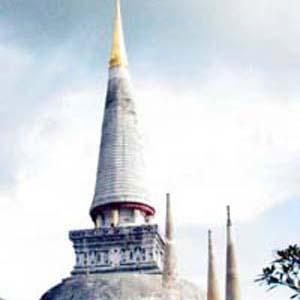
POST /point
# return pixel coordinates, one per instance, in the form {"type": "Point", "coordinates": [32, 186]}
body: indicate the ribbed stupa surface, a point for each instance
{"type": "Point", "coordinates": [120, 175]}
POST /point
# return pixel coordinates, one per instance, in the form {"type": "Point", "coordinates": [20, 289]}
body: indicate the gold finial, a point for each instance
{"type": "Point", "coordinates": [118, 57]}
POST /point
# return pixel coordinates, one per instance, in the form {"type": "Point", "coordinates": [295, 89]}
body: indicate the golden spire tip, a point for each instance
{"type": "Point", "coordinates": [118, 57]}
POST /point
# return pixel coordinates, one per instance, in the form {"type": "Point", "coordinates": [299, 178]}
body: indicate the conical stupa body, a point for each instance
{"type": "Point", "coordinates": [120, 183]}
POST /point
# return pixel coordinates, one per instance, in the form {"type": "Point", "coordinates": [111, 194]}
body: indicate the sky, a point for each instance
{"type": "Point", "coordinates": [216, 84]}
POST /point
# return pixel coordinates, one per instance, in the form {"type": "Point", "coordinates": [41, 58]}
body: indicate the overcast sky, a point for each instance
{"type": "Point", "coordinates": [217, 87]}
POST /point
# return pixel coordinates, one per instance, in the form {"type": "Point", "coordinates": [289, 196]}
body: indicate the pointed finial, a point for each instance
{"type": "Point", "coordinates": [169, 221]}
{"type": "Point", "coordinates": [209, 238]}
{"type": "Point", "coordinates": [229, 223]}
{"type": "Point", "coordinates": [118, 57]}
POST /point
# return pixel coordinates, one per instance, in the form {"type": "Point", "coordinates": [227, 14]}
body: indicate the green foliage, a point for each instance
{"type": "Point", "coordinates": [284, 271]}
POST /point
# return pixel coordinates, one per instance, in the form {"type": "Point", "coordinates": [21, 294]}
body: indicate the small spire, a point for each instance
{"type": "Point", "coordinates": [169, 219]}
{"type": "Point", "coordinates": [212, 284]}
{"type": "Point", "coordinates": [118, 57]}
{"type": "Point", "coordinates": [170, 264]}
{"type": "Point", "coordinates": [232, 276]}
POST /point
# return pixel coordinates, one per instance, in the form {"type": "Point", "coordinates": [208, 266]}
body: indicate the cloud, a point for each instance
{"type": "Point", "coordinates": [29, 84]}
{"type": "Point", "coordinates": [15, 66]}
{"type": "Point", "coordinates": [262, 27]}
{"type": "Point", "coordinates": [221, 146]}
{"type": "Point", "coordinates": [57, 157]}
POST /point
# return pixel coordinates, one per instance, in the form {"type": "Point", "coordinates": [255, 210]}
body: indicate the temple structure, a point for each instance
{"type": "Point", "coordinates": [124, 256]}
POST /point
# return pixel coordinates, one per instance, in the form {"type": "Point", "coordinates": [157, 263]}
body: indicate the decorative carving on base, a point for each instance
{"type": "Point", "coordinates": [118, 249]}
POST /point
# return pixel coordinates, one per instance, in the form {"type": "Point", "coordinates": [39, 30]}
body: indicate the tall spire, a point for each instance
{"type": "Point", "coordinates": [118, 57]}
{"type": "Point", "coordinates": [120, 186]}
{"type": "Point", "coordinates": [170, 265]}
{"type": "Point", "coordinates": [232, 278]}
{"type": "Point", "coordinates": [212, 284]}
